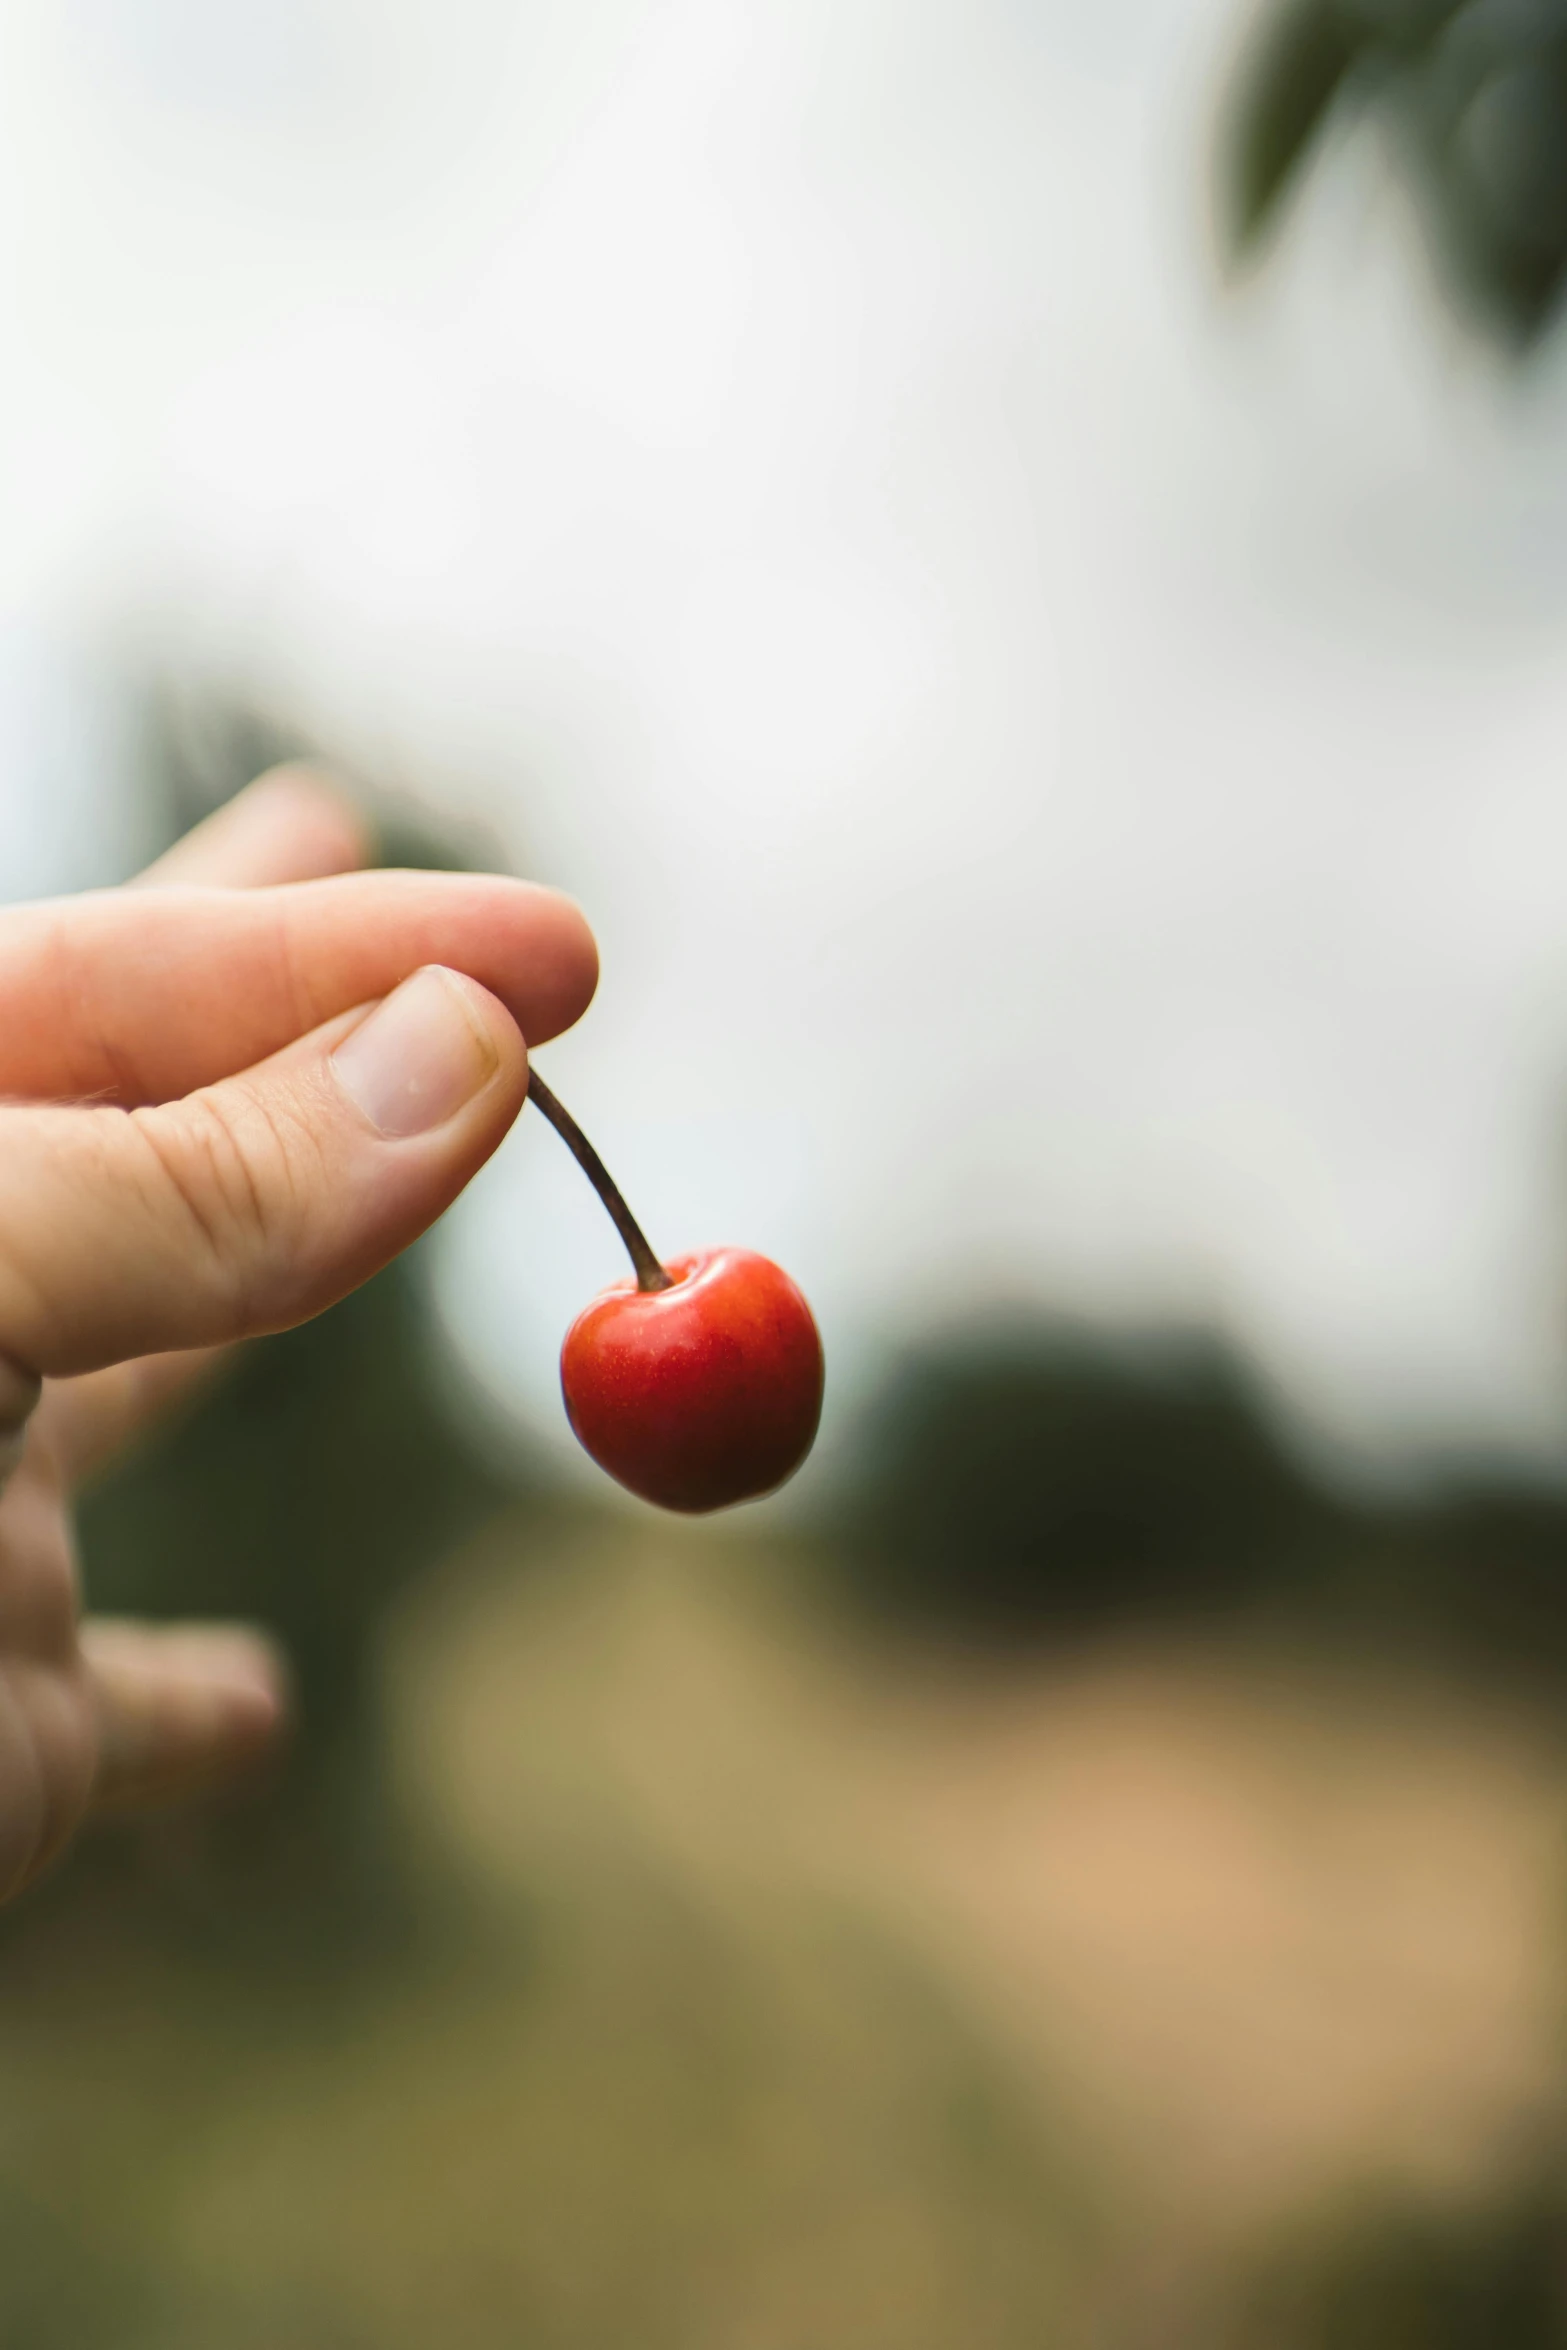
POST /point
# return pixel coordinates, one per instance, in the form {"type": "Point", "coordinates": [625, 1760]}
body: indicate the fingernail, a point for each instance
{"type": "Point", "coordinates": [418, 1057]}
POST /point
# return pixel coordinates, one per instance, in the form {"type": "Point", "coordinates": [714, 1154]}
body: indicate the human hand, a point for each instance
{"type": "Point", "coordinates": [228, 1094]}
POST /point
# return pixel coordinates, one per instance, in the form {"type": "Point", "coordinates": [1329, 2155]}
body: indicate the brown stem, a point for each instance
{"type": "Point", "coordinates": [650, 1273]}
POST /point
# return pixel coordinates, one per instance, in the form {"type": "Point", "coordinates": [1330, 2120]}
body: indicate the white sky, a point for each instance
{"type": "Point", "coordinates": [1068, 774]}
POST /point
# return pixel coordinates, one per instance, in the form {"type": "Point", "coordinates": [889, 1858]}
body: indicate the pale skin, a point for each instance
{"type": "Point", "coordinates": [209, 1129]}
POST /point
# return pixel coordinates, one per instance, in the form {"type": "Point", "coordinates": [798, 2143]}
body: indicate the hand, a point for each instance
{"type": "Point", "coordinates": [228, 1094]}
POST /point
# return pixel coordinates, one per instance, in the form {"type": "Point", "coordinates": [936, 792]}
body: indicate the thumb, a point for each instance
{"type": "Point", "coordinates": [252, 1204]}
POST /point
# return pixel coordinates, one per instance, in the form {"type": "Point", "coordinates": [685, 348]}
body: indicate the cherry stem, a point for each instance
{"type": "Point", "coordinates": [650, 1273]}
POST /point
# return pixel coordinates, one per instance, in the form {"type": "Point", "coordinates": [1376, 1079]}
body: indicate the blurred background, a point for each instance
{"type": "Point", "coordinates": [1015, 557]}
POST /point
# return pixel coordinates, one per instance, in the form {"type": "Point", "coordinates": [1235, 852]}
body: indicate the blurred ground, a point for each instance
{"type": "Point", "coordinates": [1244, 1928]}
{"type": "Point", "coordinates": [781, 1988]}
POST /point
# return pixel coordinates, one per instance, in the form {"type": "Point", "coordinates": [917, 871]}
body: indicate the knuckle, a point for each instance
{"type": "Point", "coordinates": [38, 1584]}
{"type": "Point", "coordinates": [230, 1163]}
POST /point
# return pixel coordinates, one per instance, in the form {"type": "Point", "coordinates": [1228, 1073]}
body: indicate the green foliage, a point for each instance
{"type": "Point", "coordinates": [1476, 99]}
{"type": "Point", "coordinates": [1034, 1477]}
{"type": "Point", "coordinates": [1423, 2279]}
{"type": "Point", "coordinates": [1293, 76]}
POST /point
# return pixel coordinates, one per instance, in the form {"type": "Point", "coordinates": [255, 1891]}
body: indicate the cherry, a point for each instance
{"type": "Point", "coordinates": [695, 1384]}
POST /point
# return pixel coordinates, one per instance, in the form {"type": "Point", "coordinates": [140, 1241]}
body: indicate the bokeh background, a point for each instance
{"type": "Point", "coordinates": [1015, 556]}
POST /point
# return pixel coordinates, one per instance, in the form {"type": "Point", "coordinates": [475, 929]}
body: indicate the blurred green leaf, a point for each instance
{"type": "Point", "coordinates": [1475, 100]}
{"type": "Point", "coordinates": [1285, 89]}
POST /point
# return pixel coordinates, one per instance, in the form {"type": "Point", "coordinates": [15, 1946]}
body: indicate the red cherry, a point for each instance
{"type": "Point", "coordinates": [701, 1393]}
{"type": "Point", "coordinates": [698, 1383]}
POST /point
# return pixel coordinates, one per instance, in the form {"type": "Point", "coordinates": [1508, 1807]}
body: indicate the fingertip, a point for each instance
{"type": "Point", "coordinates": [238, 1676]}
{"type": "Point", "coordinates": [573, 970]}
{"type": "Point", "coordinates": [311, 808]}
{"type": "Point", "coordinates": [294, 823]}
{"type": "Point", "coordinates": [241, 1660]}
{"type": "Point", "coordinates": [494, 1019]}
{"type": "Point", "coordinates": [246, 1660]}
{"type": "Point", "coordinates": [497, 1025]}
{"type": "Point", "coordinates": [438, 1049]}
{"type": "Point", "coordinates": [588, 958]}
{"type": "Point", "coordinates": [182, 1706]}
{"type": "Point", "coordinates": [251, 1688]}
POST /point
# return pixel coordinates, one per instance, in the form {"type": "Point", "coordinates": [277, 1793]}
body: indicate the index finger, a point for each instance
{"type": "Point", "coordinates": [140, 996]}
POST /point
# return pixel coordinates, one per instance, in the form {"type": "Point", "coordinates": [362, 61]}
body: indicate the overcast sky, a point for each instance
{"type": "Point", "coordinates": [1067, 771]}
